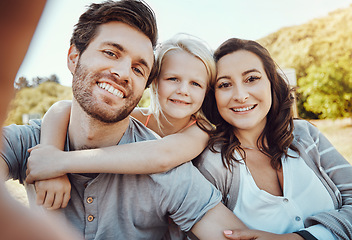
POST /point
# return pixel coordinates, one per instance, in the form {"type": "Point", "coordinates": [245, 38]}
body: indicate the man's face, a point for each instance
{"type": "Point", "coordinates": [111, 74]}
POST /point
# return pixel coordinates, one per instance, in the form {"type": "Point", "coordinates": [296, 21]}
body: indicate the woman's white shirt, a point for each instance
{"type": "Point", "coordinates": [303, 195]}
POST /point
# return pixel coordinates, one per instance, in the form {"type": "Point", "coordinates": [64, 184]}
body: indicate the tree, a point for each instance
{"type": "Point", "coordinates": [21, 82]}
{"type": "Point", "coordinates": [36, 100]}
{"type": "Point", "coordinates": [328, 88]}
{"type": "Point", "coordinates": [53, 78]}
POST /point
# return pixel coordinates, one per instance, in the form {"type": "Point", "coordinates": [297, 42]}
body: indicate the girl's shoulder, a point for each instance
{"type": "Point", "coordinates": [141, 114]}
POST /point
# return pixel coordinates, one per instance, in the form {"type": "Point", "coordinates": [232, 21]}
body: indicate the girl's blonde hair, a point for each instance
{"type": "Point", "coordinates": [191, 45]}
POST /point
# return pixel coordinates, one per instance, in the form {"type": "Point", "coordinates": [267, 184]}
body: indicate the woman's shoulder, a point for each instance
{"type": "Point", "coordinates": [305, 132]}
{"type": "Point", "coordinates": [302, 126]}
{"type": "Point", "coordinates": [209, 160]}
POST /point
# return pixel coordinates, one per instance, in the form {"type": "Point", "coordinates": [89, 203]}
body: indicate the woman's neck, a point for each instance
{"type": "Point", "coordinates": [248, 138]}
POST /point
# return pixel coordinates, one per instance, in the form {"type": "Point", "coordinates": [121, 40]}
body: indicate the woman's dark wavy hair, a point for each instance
{"type": "Point", "coordinates": [135, 13]}
{"type": "Point", "coordinates": [279, 126]}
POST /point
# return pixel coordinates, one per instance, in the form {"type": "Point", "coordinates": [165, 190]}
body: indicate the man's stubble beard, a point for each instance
{"type": "Point", "coordinates": [82, 85]}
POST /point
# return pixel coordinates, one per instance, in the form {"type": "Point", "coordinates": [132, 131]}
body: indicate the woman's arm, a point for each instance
{"type": "Point", "coordinates": [335, 173]}
{"type": "Point", "coordinates": [146, 157]}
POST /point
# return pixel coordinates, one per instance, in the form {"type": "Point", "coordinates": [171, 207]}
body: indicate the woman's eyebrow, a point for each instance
{"type": "Point", "coordinates": [249, 71]}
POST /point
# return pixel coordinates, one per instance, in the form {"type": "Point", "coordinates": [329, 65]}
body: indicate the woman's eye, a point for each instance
{"type": "Point", "coordinates": [224, 85]}
{"type": "Point", "coordinates": [172, 79]}
{"type": "Point", "coordinates": [252, 78]}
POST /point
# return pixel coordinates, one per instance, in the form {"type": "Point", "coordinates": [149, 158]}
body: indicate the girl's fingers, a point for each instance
{"type": "Point", "coordinates": [58, 199]}
{"type": "Point", "coordinates": [49, 200]}
{"type": "Point", "coordinates": [66, 199]}
{"type": "Point", "coordinates": [40, 197]}
{"type": "Point", "coordinates": [32, 148]}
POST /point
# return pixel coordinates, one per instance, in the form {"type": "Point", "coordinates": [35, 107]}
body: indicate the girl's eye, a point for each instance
{"type": "Point", "coordinates": [224, 85]}
{"type": "Point", "coordinates": [196, 84]}
{"type": "Point", "coordinates": [172, 79]}
{"type": "Point", "coordinates": [252, 78]}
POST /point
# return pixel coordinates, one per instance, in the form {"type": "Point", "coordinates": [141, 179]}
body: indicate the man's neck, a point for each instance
{"type": "Point", "coordinates": [86, 132]}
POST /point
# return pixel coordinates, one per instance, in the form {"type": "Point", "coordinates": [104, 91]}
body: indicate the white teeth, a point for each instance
{"type": "Point", "coordinates": [178, 101]}
{"type": "Point", "coordinates": [111, 89]}
{"type": "Point", "coordinates": [242, 109]}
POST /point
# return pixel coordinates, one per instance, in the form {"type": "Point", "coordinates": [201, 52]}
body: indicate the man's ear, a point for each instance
{"type": "Point", "coordinates": [72, 58]}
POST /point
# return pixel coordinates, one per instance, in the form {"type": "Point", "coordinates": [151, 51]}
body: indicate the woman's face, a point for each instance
{"type": "Point", "coordinates": [243, 90]}
{"type": "Point", "coordinates": [182, 84]}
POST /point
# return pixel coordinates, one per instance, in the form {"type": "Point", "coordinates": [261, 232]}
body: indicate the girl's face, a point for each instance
{"type": "Point", "coordinates": [182, 84]}
{"type": "Point", "coordinates": [243, 90]}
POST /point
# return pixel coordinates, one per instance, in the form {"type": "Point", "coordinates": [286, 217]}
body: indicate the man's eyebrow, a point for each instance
{"type": "Point", "coordinates": [122, 49]}
{"type": "Point", "coordinates": [249, 71]}
{"type": "Point", "coordinates": [115, 45]}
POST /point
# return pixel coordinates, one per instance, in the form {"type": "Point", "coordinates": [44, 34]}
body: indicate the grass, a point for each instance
{"type": "Point", "coordinates": [339, 133]}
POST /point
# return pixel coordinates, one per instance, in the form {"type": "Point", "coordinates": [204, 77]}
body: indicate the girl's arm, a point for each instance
{"type": "Point", "coordinates": [146, 157]}
{"type": "Point", "coordinates": [55, 123]}
{"type": "Point", "coordinates": [54, 193]}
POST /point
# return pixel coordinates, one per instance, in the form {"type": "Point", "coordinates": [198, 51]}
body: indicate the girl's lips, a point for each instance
{"type": "Point", "coordinates": [179, 101]}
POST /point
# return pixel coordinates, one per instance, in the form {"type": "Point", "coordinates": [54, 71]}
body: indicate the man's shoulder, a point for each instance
{"type": "Point", "coordinates": [33, 128]}
{"type": "Point", "coordinates": [141, 132]}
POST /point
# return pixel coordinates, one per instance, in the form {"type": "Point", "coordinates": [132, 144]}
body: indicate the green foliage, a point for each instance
{"type": "Point", "coordinates": [315, 44]}
{"type": "Point", "coordinates": [328, 88]}
{"type": "Point", "coordinates": [145, 100]}
{"type": "Point", "coordinates": [36, 100]}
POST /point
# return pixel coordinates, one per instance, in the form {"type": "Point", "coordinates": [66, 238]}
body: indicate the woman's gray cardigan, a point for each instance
{"type": "Point", "coordinates": [328, 164]}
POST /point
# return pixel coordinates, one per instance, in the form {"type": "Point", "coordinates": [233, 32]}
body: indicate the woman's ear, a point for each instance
{"type": "Point", "coordinates": [72, 58]}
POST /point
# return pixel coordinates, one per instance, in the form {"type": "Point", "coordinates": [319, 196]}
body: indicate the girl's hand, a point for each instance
{"type": "Point", "coordinates": [44, 162]}
{"type": "Point", "coordinates": [53, 193]}
{"type": "Point", "coordinates": [248, 234]}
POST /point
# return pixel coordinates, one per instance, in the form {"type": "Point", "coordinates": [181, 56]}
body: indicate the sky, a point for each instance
{"type": "Point", "coordinates": [214, 21]}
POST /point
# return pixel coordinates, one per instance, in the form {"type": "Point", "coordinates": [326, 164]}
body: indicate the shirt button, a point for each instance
{"type": "Point", "coordinates": [298, 219]}
{"type": "Point", "coordinates": [285, 200]}
{"type": "Point", "coordinates": [90, 218]}
{"type": "Point", "coordinates": [90, 200]}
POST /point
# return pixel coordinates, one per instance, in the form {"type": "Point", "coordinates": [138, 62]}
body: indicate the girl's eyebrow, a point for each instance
{"type": "Point", "coordinates": [249, 71]}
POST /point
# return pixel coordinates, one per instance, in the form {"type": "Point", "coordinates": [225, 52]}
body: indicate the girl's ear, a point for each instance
{"type": "Point", "coordinates": [72, 58]}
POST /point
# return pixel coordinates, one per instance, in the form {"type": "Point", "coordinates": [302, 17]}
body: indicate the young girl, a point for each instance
{"type": "Point", "coordinates": [278, 175]}
{"type": "Point", "coordinates": [185, 67]}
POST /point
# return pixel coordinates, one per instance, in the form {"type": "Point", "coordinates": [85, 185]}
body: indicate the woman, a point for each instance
{"type": "Point", "coordinates": [278, 175]}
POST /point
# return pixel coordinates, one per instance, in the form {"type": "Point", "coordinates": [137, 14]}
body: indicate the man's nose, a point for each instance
{"type": "Point", "coordinates": [122, 70]}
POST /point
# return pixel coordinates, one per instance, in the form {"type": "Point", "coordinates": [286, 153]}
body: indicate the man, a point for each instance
{"type": "Point", "coordinates": [113, 44]}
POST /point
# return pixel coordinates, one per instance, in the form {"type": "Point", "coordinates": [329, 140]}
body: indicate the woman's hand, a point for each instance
{"type": "Point", "coordinates": [248, 234]}
{"type": "Point", "coordinates": [44, 162]}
